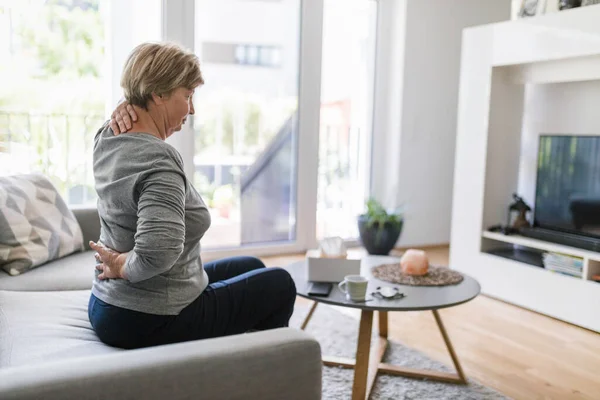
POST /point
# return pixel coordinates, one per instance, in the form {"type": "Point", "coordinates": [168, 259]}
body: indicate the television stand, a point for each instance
{"type": "Point", "coordinates": [567, 239]}
{"type": "Point", "coordinates": [527, 256]}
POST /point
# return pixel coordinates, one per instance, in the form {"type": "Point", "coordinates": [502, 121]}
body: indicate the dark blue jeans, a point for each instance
{"type": "Point", "coordinates": [242, 295]}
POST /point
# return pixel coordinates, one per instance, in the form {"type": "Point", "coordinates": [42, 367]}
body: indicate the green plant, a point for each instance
{"type": "Point", "coordinates": [377, 215]}
{"type": "Point", "coordinates": [379, 228]}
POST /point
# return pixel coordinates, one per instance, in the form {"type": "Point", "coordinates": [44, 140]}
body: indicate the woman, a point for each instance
{"type": "Point", "coordinates": [151, 287]}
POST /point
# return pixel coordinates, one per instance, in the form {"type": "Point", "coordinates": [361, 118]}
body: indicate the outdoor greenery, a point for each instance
{"type": "Point", "coordinates": [55, 58]}
{"type": "Point", "coordinates": [234, 123]}
{"type": "Point", "coordinates": [234, 127]}
{"type": "Point", "coordinates": [52, 90]}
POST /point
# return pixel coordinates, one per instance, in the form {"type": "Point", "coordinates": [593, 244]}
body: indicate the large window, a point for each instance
{"type": "Point", "coordinates": [251, 148]}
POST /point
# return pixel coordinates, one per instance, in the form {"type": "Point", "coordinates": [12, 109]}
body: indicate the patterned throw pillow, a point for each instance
{"type": "Point", "coordinates": [36, 226]}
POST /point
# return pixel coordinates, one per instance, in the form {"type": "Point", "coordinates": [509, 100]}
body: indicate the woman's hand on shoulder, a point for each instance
{"type": "Point", "coordinates": [111, 263]}
{"type": "Point", "coordinates": [122, 118]}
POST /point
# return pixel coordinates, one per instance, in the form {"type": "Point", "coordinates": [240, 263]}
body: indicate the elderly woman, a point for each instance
{"type": "Point", "coordinates": [151, 287]}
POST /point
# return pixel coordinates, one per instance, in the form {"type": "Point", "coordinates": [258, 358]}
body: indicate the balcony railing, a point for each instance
{"type": "Point", "coordinates": [60, 147]}
{"type": "Point", "coordinates": [343, 169]}
{"type": "Point", "coordinates": [268, 195]}
{"type": "Point", "coordinates": [57, 145]}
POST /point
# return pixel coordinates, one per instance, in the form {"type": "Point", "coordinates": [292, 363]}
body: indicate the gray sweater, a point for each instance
{"type": "Point", "coordinates": [148, 208]}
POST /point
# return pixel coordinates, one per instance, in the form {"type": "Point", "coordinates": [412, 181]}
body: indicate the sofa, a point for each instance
{"type": "Point", "coordinates": [48, 349]}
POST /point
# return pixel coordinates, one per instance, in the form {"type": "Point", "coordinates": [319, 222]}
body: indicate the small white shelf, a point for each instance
{"type": "Point", "coordinates": [542, 245]}
{"type": "Point", "coordinates": [591, 259]}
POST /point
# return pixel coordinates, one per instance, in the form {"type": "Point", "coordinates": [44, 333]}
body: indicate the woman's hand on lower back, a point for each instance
{"type": "Point", "coordinates": [111, 263]}
{"type": "Point", "coordinates": [122, 118]}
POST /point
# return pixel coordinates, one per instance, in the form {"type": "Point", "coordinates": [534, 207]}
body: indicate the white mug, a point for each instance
{"type": "Point", "coordinates": [355, 287]}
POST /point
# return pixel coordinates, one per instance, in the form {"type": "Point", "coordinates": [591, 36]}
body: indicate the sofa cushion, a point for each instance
{"type": "Point", "coordinates": [45, 326]}
{"type": "Point", "coordinates": [36, 224]}
{"type": "Point", "coordinates": [74, 272]}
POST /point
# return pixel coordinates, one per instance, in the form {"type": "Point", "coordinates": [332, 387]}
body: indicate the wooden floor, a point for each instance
{"type": "Point", "coordinates": [520, 353]}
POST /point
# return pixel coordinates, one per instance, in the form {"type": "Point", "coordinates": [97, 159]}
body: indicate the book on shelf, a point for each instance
{"type": "Point", "coordinates": [564, 259]}
{"type": "Point", "coordinates": [565, 271]}
{"type": "Point", "coordinates": [563, 263]}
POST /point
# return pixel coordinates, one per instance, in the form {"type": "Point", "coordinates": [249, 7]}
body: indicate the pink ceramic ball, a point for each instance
{"type": "Point", "coordinates": [414, 262]}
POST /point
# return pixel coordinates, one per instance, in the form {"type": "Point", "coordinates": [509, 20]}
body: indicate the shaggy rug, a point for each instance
{"type": "Point", "coordinates": [337, 333]}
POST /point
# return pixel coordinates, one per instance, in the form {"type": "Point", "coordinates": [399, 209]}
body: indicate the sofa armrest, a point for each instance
{"type": "Point", "coordinates": [276, 364]}
{"type": "Point", "coordinates": [89, 222]}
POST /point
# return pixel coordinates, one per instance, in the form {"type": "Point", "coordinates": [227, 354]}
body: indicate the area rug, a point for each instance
{"type": "Point", "coordinates": [337, 333]}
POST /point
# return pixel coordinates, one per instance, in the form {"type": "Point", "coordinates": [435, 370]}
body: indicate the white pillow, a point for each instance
{"type": "Point", "coordinates": [36, 226]}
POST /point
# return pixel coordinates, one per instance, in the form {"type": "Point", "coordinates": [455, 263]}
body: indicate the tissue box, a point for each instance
{"type": "Point", "coordinates": [328, 269]}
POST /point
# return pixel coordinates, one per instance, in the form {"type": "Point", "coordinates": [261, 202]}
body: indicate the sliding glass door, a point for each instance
{"type": "Point", "coordinates": [246, 127]}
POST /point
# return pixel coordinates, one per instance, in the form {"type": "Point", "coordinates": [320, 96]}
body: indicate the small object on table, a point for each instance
{"type": "Point", "coordinates": [414, 262]}
{"type": "Point", "coordinates": [354, 287]}
{"type": "Point", "coordinates": [388, 293]}
{"type": "Point", "coordinates": [435, 276]}
{"type": "Point", "coordinates": [332, 247]}
{"type": "Point", "coordinates": [596, 278]}
{"type": "Point", "coordinates": [330, 262]}
{"type": "Point", "coordinates": [320, 289]}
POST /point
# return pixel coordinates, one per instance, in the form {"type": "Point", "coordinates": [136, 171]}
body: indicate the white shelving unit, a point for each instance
{"type": "Point", "coordinates": [591, 260]}
{"type": "Point", "coordinates": [498, 62]}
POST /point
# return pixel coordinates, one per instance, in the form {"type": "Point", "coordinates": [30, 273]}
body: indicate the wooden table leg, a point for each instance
{"type": "Point", "coordinates": [459, 377]}
{"type": "Point", "coordinates": [379, 351]}
{"type": "Point", "coordinates": [363, 349]}
{"type": "Point", "coordinates": [383, 323]}
{"type": "Point", "coordinates": [309, 316]}
{"type": "Point", "coordinates": [440, 325]}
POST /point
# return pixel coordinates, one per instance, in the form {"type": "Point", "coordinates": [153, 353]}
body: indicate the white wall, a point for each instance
{"type": "Point", "coordinates": [559, 108]}
{"type": "Point", "coordinates": [422, 134]}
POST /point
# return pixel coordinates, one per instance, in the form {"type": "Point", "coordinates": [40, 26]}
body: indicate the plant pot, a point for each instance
{"type": "Point", "coordinates": [378, 240]}
{"type": "Point", "coordinates": [567, 4]}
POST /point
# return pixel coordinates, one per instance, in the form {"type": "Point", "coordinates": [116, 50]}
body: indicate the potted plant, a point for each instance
{"type": "Point", "coordinates": [379, 230]}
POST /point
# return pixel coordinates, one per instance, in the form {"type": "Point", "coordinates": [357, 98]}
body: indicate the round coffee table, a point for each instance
{"type": "Point", "coordinates": [416, 298]}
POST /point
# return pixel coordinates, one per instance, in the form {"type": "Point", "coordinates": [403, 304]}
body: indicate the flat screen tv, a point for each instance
{"type": "Point", "coordinates": [567, 196]}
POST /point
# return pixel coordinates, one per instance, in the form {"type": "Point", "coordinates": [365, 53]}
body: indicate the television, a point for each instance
{"type": "Point", "coordinates": [567, 194]}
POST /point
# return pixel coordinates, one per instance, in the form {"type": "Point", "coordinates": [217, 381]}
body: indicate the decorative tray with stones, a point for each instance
{"type": "Point", "coordinates": [435, 276]}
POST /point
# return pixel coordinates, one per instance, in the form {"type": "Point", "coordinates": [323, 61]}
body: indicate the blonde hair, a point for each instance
{"type": "Point", "coordinates": [158, 68]}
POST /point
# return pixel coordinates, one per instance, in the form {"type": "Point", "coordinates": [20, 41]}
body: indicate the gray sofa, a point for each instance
{"type": "Point", "coordinates": [48, 349]}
